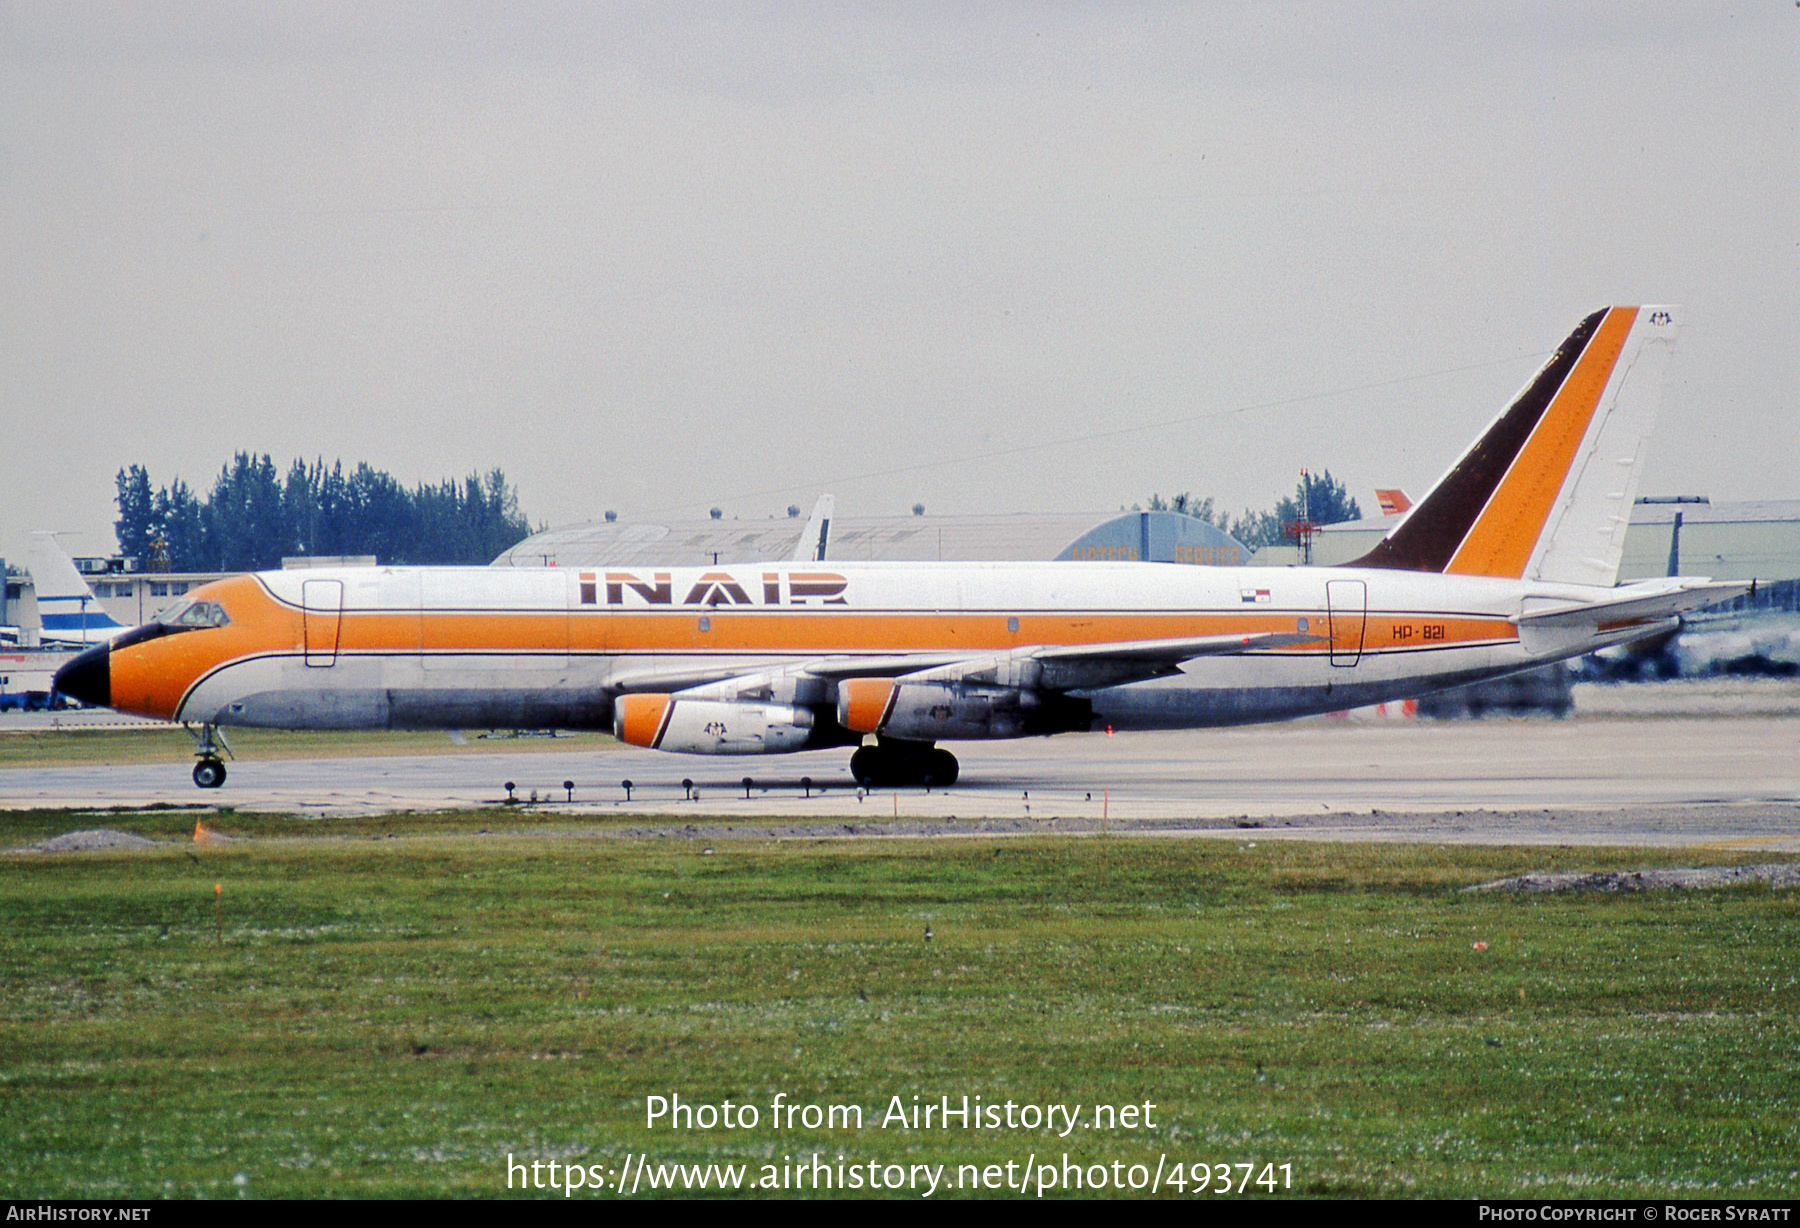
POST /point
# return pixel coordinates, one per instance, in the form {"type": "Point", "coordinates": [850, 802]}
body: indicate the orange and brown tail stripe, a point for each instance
{"type": "Point", "coordinates": [1494, 503]}
{"type": "Point", "coordinates": [1502, 539]}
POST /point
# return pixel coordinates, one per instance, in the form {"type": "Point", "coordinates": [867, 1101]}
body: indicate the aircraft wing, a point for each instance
{"type": "Point", "coordinates": [1039, 666]}
{"type": "Point", "coordinates": [1174, 652]}
{"type": "Point", "coordinates": [1071, 667]}
{"type": "Point", "coordinates": [736, 678]}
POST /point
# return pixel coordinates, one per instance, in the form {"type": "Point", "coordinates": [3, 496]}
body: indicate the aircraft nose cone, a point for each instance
{"type": "Point", "coordinates": [88, 677]}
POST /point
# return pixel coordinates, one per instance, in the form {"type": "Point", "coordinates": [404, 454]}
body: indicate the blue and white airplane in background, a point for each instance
{"type": "Point", "coordinates": [70, 613]}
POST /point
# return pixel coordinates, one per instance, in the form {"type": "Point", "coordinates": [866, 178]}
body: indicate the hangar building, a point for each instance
{"type": "Point", "coordinates": [1162, 537]}
{"type": "Point", "coordinates": [1686, 535]}
{"type": "Point", "coordinates": [133, 597]}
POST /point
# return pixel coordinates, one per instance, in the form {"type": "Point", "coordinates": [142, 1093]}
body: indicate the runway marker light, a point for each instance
{"type": "Point", "coordinates": [627, 786]}
{"type": "Point", "coordinates": [1481, 946]}
{"type": "Point", "coordinates": [218, 913]}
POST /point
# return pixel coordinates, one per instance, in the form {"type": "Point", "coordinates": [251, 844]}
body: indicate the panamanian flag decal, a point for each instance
{"type": "Point", "coordinates": [1254, 596]}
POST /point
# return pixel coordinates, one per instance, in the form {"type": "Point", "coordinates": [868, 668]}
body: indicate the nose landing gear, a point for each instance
{"type": "Point", "coordinates": [889, 764]}
{"type": "Point", "coordinates": [209, 772]}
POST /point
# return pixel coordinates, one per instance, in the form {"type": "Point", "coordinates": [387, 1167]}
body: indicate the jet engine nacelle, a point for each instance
{"type": "Point", "coordinates": [710, 726]}
{"type": "Point", "coordinates": [928, 711]}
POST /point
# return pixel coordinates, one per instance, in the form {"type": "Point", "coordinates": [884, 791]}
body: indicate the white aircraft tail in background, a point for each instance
{"type": "Point", "coordinates": [811, 546]}
{"type": "Point", "coordinates": [67, 607]}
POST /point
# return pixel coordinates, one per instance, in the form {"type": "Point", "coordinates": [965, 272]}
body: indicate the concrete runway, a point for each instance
{"type": "Point", "coordinates": [1610, 780]}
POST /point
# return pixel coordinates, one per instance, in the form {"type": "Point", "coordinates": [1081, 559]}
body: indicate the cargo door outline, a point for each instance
{"type": "Point", "coordinates": [322, 611]}
{"type": "Point", "coordinates": [1347, 611]}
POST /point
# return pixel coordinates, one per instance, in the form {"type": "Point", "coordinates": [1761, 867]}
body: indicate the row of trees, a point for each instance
{"type": "Point", "coordinates": [1320, 499]}
{"type": "Point", "coordinates": [254, 517]}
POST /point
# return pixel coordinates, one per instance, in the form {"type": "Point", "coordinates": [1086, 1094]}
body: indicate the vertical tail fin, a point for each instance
{"type": "Point", "coordinates": [1546, 492]}
{"type": "Point", "coordinates": [67, 609]}
{"type": "Point", "coordinates": [813, 542]}
{"type": "Point", "coordinates": [53, 573]}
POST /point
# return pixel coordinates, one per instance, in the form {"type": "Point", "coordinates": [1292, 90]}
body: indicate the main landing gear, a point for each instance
{"type": "Point", "coordinates": [888, 764]}
{"type": "Point", "coordinates": [209, 772]}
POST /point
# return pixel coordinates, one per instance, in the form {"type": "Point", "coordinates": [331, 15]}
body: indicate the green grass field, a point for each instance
{"type": "Point", "coordinates": [394, 1013]}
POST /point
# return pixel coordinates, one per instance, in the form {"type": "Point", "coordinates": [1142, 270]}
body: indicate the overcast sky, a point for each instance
{"type": "Point", "coordinates": [989, 257]}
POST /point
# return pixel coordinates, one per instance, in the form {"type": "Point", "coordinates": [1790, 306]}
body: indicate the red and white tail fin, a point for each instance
{"type": "Point", "coordinates": [1393, 502]}
{"type": "Point", "coordinates": [1546, 492]}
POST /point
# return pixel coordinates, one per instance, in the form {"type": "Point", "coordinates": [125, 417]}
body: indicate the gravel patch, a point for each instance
{"type": "Point", "coordinates": [1776, 874]}
{"type": "Point", "coordinates": [93, 840]}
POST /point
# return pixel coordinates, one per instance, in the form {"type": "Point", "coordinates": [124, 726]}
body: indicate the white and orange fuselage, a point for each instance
{"type": "Point", "coordinates": [1508, 562]}
{"type": "Point", "coordinates": [479, 647]}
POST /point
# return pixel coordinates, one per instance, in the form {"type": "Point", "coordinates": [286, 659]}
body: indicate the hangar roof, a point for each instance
{"type": "Point", "coordinates": [1756, 539]}
{"type": "Point", "coordinates": [1163, 536]}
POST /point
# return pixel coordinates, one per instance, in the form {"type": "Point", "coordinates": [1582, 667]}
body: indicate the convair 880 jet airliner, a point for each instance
{"type": "Point", "coordinates": [1509, 562]}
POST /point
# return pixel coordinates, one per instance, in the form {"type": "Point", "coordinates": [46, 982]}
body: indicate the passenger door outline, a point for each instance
{"type": "Point", "coordinates": [1347, 612]}
{"type": "Point", "coordinates": [322, 610]}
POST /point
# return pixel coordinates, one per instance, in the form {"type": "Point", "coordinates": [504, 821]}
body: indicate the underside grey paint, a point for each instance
{"type": "Point", "coordinates": [419, 708]}
{"type": "Point", "coordinates": [1153, 705]}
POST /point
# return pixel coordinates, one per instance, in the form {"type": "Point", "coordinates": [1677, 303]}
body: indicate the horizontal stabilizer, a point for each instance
{"type": "Point", "coordinates": [1647, 603]}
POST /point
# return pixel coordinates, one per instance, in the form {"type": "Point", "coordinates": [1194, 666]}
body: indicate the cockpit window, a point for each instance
{"type": "Point", "coordinates": [192, 615]}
